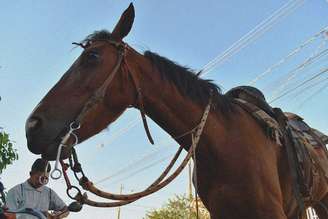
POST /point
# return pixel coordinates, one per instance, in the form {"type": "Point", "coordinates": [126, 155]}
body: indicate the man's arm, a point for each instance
{"type": "Point", "coordinates": [57, 204]}
{"type": "Point", "coordinates": [62, 213]}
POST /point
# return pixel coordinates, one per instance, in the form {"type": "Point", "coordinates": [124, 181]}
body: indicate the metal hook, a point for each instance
{"type": "Point", "coordinates": [56, 172]}
{"type": "Point", "coordinates": [74, 126]}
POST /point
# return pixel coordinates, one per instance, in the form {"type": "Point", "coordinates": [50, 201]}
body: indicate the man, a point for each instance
{"type": "Point", "coordinates": [35, 195]}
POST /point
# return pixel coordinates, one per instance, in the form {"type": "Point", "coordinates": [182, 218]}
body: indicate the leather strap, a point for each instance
{"type": "Point", "coordinates": [139, 99]}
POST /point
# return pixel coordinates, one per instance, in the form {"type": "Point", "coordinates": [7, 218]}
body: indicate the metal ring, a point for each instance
{"type": "Point", "coordinates": [53, 173]}
{"type": "Point", "coordinates": [71, 188]}
{"type": "Point", "coordinates": [74, 125]}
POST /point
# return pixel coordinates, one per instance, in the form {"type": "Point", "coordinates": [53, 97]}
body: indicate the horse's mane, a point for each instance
{"type": "Point", "coordinates": [186, 80]}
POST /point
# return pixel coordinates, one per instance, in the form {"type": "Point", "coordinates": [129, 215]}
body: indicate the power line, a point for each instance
{"type": "Point", "coordinates": [290, 55]}
{"type": "Point", "coordinates": [123, 130]}
{"type": "Point", "coordinates": [292, 74]}
{"type": "Point", "coordinates": [321, 89]}
{"type": "Point", "coordinates": [127, 168]}
{"type": "Point", "coordinates": [252, 35]}
{"type": "Point", "coordinates": [142, 169]}
{"type": "Point", "coordinates": [307, 88]}
{"type": "Point", "coordinates": [134, 164]}
{"type": "Point", "coordinates": [298, 86]}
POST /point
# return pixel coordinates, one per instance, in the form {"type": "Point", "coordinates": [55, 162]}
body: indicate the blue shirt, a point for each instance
{"type": "Point", "coordinates": [25, 196]}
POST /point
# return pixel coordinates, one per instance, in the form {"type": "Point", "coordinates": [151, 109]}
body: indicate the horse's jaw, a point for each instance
{"type": "Point", "coordinates": [51, 153]}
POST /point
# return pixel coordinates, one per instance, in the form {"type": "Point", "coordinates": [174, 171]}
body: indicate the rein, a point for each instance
{"type": "Point", "coordinates": [74, 164]}
{"type": "Point", "coordinates": [122, 199]}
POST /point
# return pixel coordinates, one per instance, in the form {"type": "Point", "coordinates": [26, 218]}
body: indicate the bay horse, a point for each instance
{"type": "Point", "coordinates": [241, 173]}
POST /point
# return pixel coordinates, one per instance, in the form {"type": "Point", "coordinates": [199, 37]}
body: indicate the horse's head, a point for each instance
{"type": "Point", "coordinates": [94, 92]}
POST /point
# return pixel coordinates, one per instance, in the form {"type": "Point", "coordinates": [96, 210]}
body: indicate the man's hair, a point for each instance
{"type": "Point", "coordinates": [40, 165]}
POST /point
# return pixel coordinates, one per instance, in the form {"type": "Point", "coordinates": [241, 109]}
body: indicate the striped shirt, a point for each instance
{"type": "Point", "coordinates": [25, 196]}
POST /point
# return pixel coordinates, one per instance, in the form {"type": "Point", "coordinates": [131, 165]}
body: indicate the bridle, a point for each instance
{"type": "Point", "coordinates": [98, 97]}
{"type": "Point", "coordinates": [76, 167]}
{"type": "Point", "coordinates": [99, 94]}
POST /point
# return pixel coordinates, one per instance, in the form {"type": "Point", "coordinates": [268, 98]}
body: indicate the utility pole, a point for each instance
{"type": "Point", "coordinates": [190, 181]}
{"type": "Point", "coordinates": [190, 196]}
{"type": "Point", "coordinates": [119, 208]}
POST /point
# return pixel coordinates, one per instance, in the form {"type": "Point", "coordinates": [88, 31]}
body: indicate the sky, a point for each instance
{"type": "Point", "coordinates": [36, 49]}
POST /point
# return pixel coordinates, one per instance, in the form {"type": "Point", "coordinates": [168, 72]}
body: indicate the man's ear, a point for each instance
{"type": "Point", "coordinates": [124, 25]}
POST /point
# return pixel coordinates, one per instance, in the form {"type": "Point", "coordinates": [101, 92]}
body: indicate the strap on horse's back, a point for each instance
{"type": "Point", "coordinates": [298, 187]}
{"type": "Point", "coordinates": [288, 130]}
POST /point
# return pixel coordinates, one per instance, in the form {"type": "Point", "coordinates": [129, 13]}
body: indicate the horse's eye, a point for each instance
{"type": "Point", "coordinates": [93, 55]}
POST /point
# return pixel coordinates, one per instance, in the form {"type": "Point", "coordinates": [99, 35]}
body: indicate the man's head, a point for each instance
{"type": "Point", "coordinates": [39, 173]}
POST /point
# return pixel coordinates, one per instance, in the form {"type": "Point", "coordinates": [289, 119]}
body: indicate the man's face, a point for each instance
{"type": "Point", "coordinates": [39, 179]}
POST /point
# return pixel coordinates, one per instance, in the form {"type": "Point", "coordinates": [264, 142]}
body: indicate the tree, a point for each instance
{"type": "Point", "coordinates": [7, 153]}
{"type": "Point", "coordinates": [176, 208]}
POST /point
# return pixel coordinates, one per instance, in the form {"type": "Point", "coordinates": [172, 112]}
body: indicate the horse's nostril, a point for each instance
{"type": "Point", "coordinates": [33, 123]}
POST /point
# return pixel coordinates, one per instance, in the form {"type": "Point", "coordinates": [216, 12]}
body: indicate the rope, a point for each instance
{"type": "Point", "coordinates": [159, 183]}
{"type": "Point", "coordinates": [132, 197]}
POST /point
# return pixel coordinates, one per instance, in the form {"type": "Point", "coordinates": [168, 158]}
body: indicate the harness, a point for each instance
{"type": "Point", "coordinates": [73, 191]}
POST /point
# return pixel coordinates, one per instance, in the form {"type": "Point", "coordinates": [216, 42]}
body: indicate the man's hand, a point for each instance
{"type": "Point", "coordinates": [58, 214]}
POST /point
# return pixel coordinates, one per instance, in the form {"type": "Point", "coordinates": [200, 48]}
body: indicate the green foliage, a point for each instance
{"type": "Point", "coordinates": [7, 153]}
{"type": "Point", "coordinates": [180, 207]}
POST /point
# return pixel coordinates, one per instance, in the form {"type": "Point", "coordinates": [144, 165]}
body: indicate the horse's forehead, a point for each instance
{"type": "Point", "coordinates": [98, 45]}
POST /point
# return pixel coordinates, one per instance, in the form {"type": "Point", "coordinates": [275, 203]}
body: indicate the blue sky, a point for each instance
{"type": "Point", "coordinates": [35, 50]}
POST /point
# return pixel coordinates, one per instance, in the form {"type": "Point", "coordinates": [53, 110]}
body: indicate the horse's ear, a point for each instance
{"type": "Point", "coordinates": [124, 25]}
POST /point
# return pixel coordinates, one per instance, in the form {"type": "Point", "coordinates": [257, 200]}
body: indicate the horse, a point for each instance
{"type": "Point", "coordinates": [241, 173]}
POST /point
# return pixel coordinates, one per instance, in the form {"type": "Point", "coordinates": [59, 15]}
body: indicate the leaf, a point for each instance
{"type": "Point", "coordinates": [8, 153]}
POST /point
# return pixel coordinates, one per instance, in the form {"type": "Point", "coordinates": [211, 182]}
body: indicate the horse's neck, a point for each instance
{"type": "Point", "coordinates": [174, 114]}
{"type": "Point", "coordinates": [164, 104]}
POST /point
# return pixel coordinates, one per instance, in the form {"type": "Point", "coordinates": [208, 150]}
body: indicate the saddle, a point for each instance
{"type": "Point", "coordinates": [251, 95]}
{"type": "Point", "coordinates": [308, 144]}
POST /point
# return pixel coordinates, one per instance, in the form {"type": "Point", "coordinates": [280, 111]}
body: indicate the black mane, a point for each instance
{"type": "Point", "coordinates": [186, 80]}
